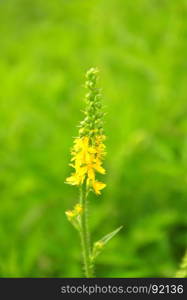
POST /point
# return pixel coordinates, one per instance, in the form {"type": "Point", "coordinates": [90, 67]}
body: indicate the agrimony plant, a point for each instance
{"type": "Point", "coordinates": [88, 153]}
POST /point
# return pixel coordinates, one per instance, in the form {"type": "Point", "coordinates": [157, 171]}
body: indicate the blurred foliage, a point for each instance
{"type": "Point", "coordinates": [140, 47]}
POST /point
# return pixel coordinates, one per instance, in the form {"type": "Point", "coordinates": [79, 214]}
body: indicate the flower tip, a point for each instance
{"type": "Point", "coordinates": [91, 74]}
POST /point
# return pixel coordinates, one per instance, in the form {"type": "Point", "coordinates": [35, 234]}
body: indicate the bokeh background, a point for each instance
{"type": "Point", "coordinates": [140, 48]}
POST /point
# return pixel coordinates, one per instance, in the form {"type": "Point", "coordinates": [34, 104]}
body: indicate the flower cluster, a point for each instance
{"type": "Point", "coordinates": [89, 150]}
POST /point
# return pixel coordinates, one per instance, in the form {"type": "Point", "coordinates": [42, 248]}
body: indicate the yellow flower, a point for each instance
{"type": "Point", "coordinates": [98, 186]}
{"type": "Point", "coordinates": [75, 179]}
{"type": "Point", "coordinates": [87, 160]}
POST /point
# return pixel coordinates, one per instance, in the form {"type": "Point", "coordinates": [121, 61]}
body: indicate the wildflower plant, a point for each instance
{"type": "Point", "coordinates": [88, 154]}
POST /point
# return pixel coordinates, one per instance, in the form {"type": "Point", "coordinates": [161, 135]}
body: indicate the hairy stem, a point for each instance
{"type": "Point", "coordinates": [84, 234]}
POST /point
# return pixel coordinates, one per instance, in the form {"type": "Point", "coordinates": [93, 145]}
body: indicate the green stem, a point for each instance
{"type": "Point", "coordinates": [84, 234]}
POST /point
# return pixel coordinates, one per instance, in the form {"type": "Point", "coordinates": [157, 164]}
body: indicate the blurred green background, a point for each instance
{"type": "Point", "coordinates": [140, 48]}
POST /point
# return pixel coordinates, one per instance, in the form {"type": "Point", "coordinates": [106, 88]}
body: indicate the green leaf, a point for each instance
{"type": "Point", "coordinates": [110, 235]}
{"type": "Point", "coordinates": [99, 245]}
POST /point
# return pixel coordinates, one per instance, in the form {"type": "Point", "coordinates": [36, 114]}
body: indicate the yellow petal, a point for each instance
{"type": "Point", "coordinates": [99, 168]}
{"type": "Point", "coordinates": [74, 179]}
{"type": "Point", "coordinates": [91, 174]}
{"type": "Point", "coordinates": [98, 186]}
